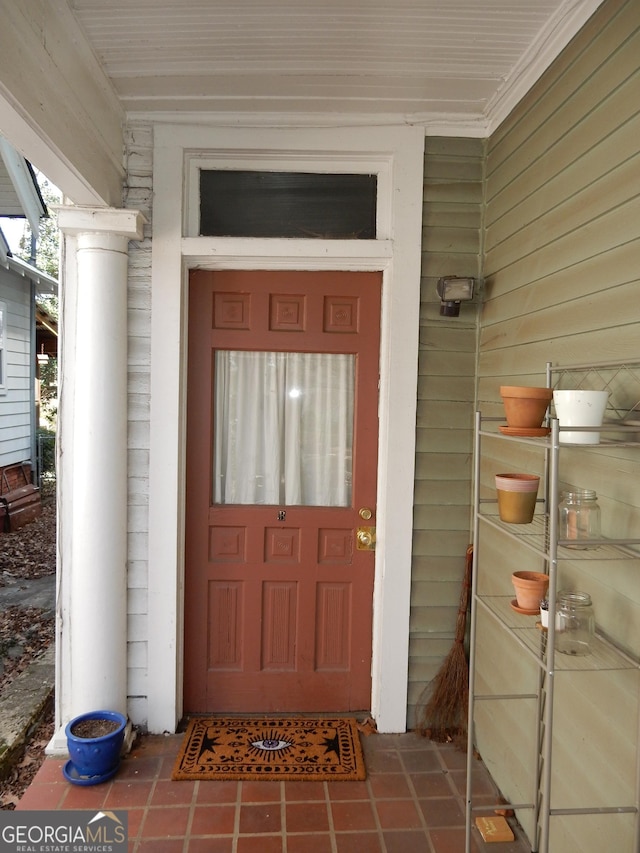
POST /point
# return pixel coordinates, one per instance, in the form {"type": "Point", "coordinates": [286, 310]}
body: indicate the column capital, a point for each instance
{"type": "Point", "coordinates": [100, 220]}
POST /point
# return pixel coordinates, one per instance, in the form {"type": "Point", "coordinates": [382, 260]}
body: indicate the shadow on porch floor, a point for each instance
{"type": "Point", "coordinates": [412, 802]}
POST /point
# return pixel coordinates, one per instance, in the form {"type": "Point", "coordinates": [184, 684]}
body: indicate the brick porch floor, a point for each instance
{"type": "Point", "coordinates": [411, 802]}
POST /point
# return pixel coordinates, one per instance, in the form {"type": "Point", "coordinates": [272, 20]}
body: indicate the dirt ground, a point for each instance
{"type": "Point", "coordinates": [25, 632]}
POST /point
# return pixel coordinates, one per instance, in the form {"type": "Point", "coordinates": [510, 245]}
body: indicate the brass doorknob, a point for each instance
{"type": "Point", "coordinates": [365, 538]}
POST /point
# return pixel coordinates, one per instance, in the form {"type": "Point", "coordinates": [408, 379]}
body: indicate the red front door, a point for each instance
{"type": "Point", "coordinates": [281, 472]}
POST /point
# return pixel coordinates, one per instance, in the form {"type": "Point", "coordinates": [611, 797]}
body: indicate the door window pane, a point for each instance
{"type": "Point", "coordinates": [287, 204]}
{"type": "Point", "coordinates": [283, 428]}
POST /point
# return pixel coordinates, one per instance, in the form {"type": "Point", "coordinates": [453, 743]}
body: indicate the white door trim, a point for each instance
{"type": "Point", "coordinates": [396, 155]}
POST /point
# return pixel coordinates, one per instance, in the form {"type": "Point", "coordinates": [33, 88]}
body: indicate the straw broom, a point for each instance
{"type": "Point", "coordinates": [445, 714]}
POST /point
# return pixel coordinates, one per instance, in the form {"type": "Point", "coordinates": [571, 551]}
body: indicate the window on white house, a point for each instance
{"type": "Point", "coordinates": [3, 316]}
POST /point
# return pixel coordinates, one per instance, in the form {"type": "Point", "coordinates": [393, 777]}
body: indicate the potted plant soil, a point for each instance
{"type": "Point", "coordinates": [94, 741]}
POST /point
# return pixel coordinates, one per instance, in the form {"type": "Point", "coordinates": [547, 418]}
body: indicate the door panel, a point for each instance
{"type": "Point", "coordinates": [278, 597]}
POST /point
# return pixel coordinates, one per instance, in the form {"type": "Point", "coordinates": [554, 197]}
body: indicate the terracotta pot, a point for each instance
{"type": "Point", "coordinates": [531, 588]}
{"type": "Point", "coordinates": [517, 495]}
{"type": "Point", "coordinates": [525, 407]}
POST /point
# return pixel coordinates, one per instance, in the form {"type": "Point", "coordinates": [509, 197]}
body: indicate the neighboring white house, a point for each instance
{"type": "Point", "coordinates": [20, 284]}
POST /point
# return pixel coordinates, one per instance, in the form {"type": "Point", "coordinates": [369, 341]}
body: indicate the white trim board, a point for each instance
{"type": "Point", "coordinates": [396, 155]}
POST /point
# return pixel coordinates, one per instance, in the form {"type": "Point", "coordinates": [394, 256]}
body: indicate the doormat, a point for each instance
{"type": "Point", "coordinates": [279, 748]}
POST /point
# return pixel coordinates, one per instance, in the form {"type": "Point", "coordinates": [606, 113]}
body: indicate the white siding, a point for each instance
{"type": "Point", "coordinates": [139, 142]}
{"type": "Point", "coordinates": [17, 396]}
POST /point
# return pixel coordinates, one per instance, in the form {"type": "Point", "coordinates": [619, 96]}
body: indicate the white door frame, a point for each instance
{"type": "Point", "coordinates": [396, 156]}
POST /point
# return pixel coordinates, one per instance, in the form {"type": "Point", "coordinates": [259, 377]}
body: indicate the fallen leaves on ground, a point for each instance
{"type": "Point", "coordinates": [31, 551]}
{"type": "Point", "coordinates": [25, 632]}
{"type": "Point", "coordinates": [26, 554]}
{"type": "Point", "coordinates": [28, 762]}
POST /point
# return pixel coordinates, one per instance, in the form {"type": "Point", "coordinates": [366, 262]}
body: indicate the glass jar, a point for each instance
{"type": "Point", "coordinates": [579, 517]}
{"type": "Point", "coordinates": [575, 623]}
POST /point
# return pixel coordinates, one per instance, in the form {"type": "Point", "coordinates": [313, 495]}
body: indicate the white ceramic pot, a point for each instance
{"type": "Point", "coordinates": [544, 619]}
{"type": "Point", "coordinates": [580, 409]}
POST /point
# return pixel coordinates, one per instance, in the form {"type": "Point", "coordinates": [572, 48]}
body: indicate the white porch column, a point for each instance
{"type": "Point", "coordinates": [92, 502]}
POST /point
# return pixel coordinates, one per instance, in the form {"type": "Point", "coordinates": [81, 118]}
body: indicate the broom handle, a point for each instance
{"type": "Point", "coordinates": [461, 622]}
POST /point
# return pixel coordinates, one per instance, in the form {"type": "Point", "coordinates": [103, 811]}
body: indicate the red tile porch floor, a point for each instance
{"type": "Point", "coordinates": [412, 802]}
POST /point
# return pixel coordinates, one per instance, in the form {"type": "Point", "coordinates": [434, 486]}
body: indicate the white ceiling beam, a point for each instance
{"type": "Point", "coordinates": [56, 105]}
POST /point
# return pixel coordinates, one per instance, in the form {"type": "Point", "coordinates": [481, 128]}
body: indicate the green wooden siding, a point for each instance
{"type": "Point", "coordinates": [446, 391]}
{"type": "Point", "coordinates": [561, 267]}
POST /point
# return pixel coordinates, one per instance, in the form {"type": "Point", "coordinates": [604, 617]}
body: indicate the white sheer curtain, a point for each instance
{"type": "Point", "coordinates": [283, 430]}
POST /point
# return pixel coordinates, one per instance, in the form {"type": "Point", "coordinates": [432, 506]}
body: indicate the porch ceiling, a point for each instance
{"type": "Point", "coordinates": [456, 67]}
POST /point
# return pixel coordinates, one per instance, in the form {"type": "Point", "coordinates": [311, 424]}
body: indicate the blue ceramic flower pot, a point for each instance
{"type": "Point", "coordinates": [93, 759]}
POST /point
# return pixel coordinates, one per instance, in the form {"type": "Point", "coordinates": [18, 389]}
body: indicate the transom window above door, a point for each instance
{"type": "Point", "coordinates": [236, 203]}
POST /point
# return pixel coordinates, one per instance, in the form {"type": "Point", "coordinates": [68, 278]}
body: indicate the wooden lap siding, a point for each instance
{"type": "Point", "coordinates": [561, 272]}
{"type": "Point", "coordinates": [16, 398]}
{"type": "Point", "coordinates": [138, 195]}
{"type": "Point", "coordinates": [446, 392]}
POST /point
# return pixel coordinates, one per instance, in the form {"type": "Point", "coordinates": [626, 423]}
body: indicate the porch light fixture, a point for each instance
{"type": "Point", "coordinates": [452, 291]}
